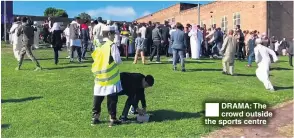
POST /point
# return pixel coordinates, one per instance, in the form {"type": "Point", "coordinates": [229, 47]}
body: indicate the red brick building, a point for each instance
{"type": "Point", "coordinates": [272, 17]}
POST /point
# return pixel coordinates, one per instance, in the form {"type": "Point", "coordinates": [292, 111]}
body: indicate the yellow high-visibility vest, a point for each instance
{"type": "Point", "coordinates": [105, 73]}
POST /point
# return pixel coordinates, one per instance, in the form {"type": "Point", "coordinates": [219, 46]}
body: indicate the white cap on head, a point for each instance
{"type": "Point", "coordinates": [108, 22]}
{"type": "Point", "coordinates": [35, 23]}
{"type": "Point", "coordinates": [108, 28]}
{"type": "Point", "coordinates": [258, 41]}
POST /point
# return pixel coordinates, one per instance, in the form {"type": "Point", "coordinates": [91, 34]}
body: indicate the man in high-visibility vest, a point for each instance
{"type": "Point", "coordinates": [107, 76]}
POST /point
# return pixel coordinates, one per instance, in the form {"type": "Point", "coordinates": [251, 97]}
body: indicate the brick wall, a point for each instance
{"type": "Point", "coordinates": [280, 19]}
{"type": "Point", "coordinates": [161, 15]}
{"type": "Point", "coordinates": [253, 14]}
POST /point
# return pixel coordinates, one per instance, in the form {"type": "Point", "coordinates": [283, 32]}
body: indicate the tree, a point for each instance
{"type": "Point", "coordinates": [84, 16]}
{"type": "Point", "coordinates": [55, 12]}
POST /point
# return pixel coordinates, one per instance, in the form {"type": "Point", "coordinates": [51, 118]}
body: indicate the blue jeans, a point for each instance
{"type": "Point", "coordinates": [250, 58]}
{"type": "Point", "coordinates": [178, 53]}
{"type": "Point", "coordinates": [84, 48]}
{"type": "Point", "coordinates": [217, 45]}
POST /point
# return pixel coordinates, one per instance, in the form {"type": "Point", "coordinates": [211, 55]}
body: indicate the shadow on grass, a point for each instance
{"type": "Point", "coordinates": [198, 62]}
{"type": "Point", "coordinates": [66, 67]}
{"type": "Point", "coordinates": [192, 70]}
{"type": "Point", "coordinates": [283, 88]}
{"type": "Point", "coordinates": [50, 58]}
{"type": "Point", "coordinates": [165, 115]}
{"type": "Point", "coordinates": [5, 126]}
{"type": "Point", "coordinates": [245, 75]}
{"type": "Point", "coordinates": [279, 68]}
{"type": "Point", "coordinates": [20, 100]}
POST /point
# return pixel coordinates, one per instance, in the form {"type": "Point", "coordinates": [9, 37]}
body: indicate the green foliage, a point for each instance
{"type": "Point", "coordinates": [55, 12]}
{"type": "Point", "coordinates": [84, 16]}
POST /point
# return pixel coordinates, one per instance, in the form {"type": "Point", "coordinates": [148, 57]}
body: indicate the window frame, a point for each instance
{"type": "Point", "coordinates": [224, 21]}
{"type": "Point", "coordinates": [236, 18]}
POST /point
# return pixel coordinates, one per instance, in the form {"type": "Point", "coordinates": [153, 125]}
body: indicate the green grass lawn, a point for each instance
{"type": "Point", "coordinates": [57, 101]}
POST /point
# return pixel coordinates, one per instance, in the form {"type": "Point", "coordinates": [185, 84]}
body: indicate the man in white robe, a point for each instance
{"type": "Point", "coordinates": [16, 40]}
{"type": "Point", "coordinates": [101, 91]}
{"type": "Point", "coordinates": [262, 58]}
{"type": "Point", "coordinates": [97, 32]}
{"type": "Point", "coordinates": [196, 38]}
{"type": "Point", "coordinates": [36, 35]}
{"type": "Point", "coordinates": [66, 33]}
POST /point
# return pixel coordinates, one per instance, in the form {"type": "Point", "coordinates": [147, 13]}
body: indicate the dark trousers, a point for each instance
{"type": "Point", "coordinates": [111, 105]}
{"type": "Point", "coordinates": [290, 60]}
{"type": "Point", "coordinates": [79, 51]}
{"type": "Point", "coordinates": [165, 47]}
{"type": "Point", "coordinates": [156, 45]}
{"type": "Point", "coordinates": [128, 104]}
{"type": "Point", "coordinates": [149, 46]}
{"type": "Point", "coordinates": [56, 49]}
{"type": "Point", "coordinates": [240, 46]}
{"type": "Point", "coordinates": [84, 48]}
{"type": "Point", "coordinates": [26, 49]}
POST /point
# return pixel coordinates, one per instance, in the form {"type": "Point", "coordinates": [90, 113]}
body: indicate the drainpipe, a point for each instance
{"type": "Point", "coordinates": [5, 22]}
{"type": "Point", "coordinates": [198, 12]}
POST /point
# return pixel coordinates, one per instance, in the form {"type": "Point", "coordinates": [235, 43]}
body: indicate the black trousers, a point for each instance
{"type": "Point", "coordinates": [85, 48]}
{"type": "Point", "coordinates": [165, 48]}
{"type": "Point", "coordinates": [156, 45]}
{"type": "Point", "coordinates": [290, 60]}
{"type": "Point", "coordinates": [240, 46]}
{"type": "Point", "coordinates": [111, 105]}
{"type": "Point", "coordinates": [56, 49]}
{"type": "Point", "coordinates": [130, 101]}
{"type": "Point", "coordinates": [73, 49]}
{"type": "Point", "coordinates": [149, 46]}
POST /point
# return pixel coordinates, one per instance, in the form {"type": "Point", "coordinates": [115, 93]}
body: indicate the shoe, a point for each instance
{"type": "Point", "coordinates": [225, 73]}
{"type": "Point", "coordinates": [158, 62]}
{"type": "Point", "coordinates": [95, 121]}
{"type": "Point", "coordinates": [123, 119]}
{"type": "Point", "coordinates": [134, 62]}
{"type": "Point", "coordinates": [183, 70]}
{"type": "Point", "coordinates": [248, 65]}
{"type": "Point", "coordinates": [38, 68]}
{"type": "Point", "coordinates": [68, 57]}
{"type": "Point", "coordinates": [272, 90]}
{"type": "Point", "coordinates": [17, 68]}
{"type": "Point", "coordinates": [174, 69]}
{"type": "Point", "coordinates": [114, 122]}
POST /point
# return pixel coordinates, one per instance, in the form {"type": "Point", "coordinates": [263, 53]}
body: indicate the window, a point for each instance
{"type": "Point", "coordinates": [236, 19]}
{"type": "Point", "coordinates": [173, 20]}
{"type": "Point", "coordinates": [212, 21]}
{"type": "Point", "coordinates": [224, 23]}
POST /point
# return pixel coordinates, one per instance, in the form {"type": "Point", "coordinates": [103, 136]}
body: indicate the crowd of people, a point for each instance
{"type": "Point", "coordinates": [109, 41]}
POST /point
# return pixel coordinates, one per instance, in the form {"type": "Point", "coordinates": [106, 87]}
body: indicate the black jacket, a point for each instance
{"type": "Point", "coordinates": [165, 33]}
{"type": "Point", "coordinates": [132, 87]}
{"type": "Point", "coordinates": [56, 39]}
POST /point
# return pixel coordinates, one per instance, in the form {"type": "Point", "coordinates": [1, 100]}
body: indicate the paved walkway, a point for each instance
{"type": "Point", "coordinates": [280, 126]}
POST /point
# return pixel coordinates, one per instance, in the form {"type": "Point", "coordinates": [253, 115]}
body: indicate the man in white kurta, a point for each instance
{"type": "Point", "coordinates": [36, 35]}
{"type": "Point", "coordinates": [97, 32]}
{"type": "Point", "coordinates": [263, 61]}
{"type": "Point", "coordinates": [109, 90]}
{"type": "Point", "coordinates": [66, 33]}
{"type": "Point", "coordinates": [16, 40]}
{"type": "Point", "coordinates": [196, 38]}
